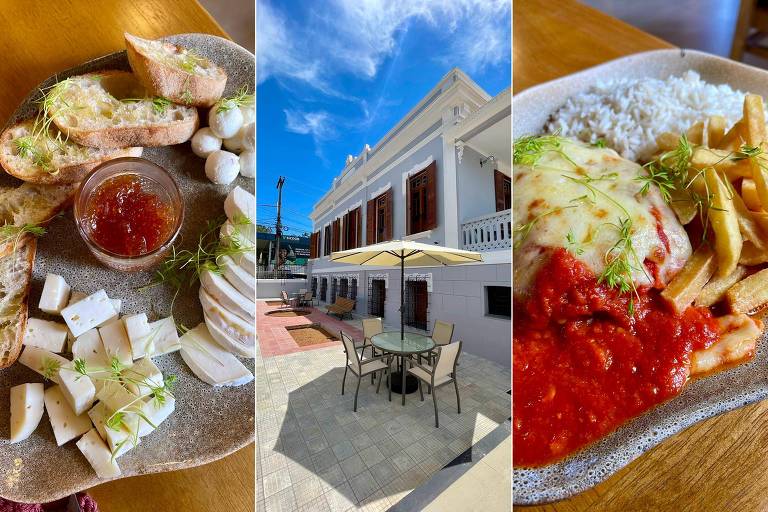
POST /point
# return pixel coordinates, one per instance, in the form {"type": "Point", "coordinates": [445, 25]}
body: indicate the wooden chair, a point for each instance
{"type": "Point", "coordinates": [442, 373]}
{"type": "Point", "coordinates": [342, 306]}
{"type": "Point", "coordinates": [360, 366]}
{"type": "Point", "coordinates": [751, 27]}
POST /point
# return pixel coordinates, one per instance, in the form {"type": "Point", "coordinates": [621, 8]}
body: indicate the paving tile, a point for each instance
{"type": "Point", "coordinates": [316, 444]}
{"type": "Point", "coordinates": [319, 504]}
{"type": "Point", "coordinates": [323, 459]}
{"type": "Point", "coordinates": [371, 456]}
{"type": "Point", "coordinates": [343, 450]}
{"type": "Point", "coordinates": [402, 462]}
{"type": "Point", "coordinates": [283, 501]}
{"type": "Point", "coordinates": [378, 434]}
{"type": "Point", "coordinates": [276, 482]}
{"type": "Point", "coordinates": [376, 502]}
{"type": "Point", "coordinates": [331, 476]}
{"type": "Point", "coordinates": [388, 447]}
{"type": "Point", "coordinates": [418, 451]}
{"type": "Point", "coordinates": [352, 466]}
{"type": "Point", "coordinates": [299, 470]}
{"type": "Point", "coordinates": [341, 498]}
{"type": "Point", "coordinates": [362, 441]}
{"type": "Point", "coordinates": [384, 472]}
{"type": "Point", "coordinates": [307, 490]}
{"type": "Point", "coordinates": [363, 485]}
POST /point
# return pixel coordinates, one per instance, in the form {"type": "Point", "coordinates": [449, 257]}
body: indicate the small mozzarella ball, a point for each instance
{"type": "Point", "coordinates": [249, 113]}
{"type": "Point", "coordinates": [222, 167]}
{"type": "Point", "coordinates": [205, 142]}
{"type": "Point", "coordinates": [225, 123]}
{"type": "Point", "coordinates": [248, 164]}
{"type": "Point", "coordinates": [248, 133]}
{"type": "Point", "coordinates": [235, 144]}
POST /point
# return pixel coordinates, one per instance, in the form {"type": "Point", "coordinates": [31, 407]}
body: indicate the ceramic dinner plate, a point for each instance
{"type": "Point", "coordinates": [700, 399]}
{"type": "Point", "coordinates": [209, 423]}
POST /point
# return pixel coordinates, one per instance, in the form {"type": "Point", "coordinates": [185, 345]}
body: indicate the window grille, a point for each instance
{"type": "Point", "coordinates": [323, 288]}
{"type": "Point", "coordinates": [377, 294]}
{"type": "Point", "coordinates": [416, 303]}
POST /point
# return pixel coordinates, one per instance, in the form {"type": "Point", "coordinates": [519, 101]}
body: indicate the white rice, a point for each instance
{"type": "Point", "coordinates": [629, 114]}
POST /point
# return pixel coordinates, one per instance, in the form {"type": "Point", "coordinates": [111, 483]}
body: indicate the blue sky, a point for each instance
{"type": "Point", "coordinates": [334, 75]}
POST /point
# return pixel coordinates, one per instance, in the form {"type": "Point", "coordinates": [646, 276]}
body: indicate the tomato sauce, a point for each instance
{"type": "Point", "coordinates": [583, 366]}
{"type": "Point", "coordinates": [125, 218]}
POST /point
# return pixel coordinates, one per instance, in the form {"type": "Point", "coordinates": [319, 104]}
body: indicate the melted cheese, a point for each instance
{"type": "Point", "coordinates": [564, 206]}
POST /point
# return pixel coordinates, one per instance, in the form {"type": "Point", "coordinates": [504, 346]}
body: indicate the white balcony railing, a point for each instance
{"type": "Point", "coordinates": [488, 232]}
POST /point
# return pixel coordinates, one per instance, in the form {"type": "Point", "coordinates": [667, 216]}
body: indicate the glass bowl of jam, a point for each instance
{"type": "Point", "coordinates": [129, 211]}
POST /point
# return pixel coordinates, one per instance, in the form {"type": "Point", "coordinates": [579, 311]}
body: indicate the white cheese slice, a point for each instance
{"type": "Point", "coordinates": [236, 346]}
{"type": "Point", "coordinates": [156, 412]}
{"type": "Point", "coordinates": [78, 389]}
{"type": "Point", "coordinates": [226, 295]}
{"type": "Point", "coordinates": [116, 343]}
{"type": "Point", "coordinates": [55, 294]}
{"type": "Point", "coordinates": [26, 410]}
{"type": "Point", "coordinates": [238, 277]}
{"type": "Point", "coordinates": [45, 334]}
{"type": "Point", "coordinates": [242, 330]}
{"type": "Point", "coordinates": [66, 424]}
{"type": "Point", "coordinates": [116, 397]}
{"type": "Point", "coordinates": [117, 304]}
{"type": "Point", "coordinates": [211, 363]}
{"type": "Point", "coordinates": [247, 261]}
{"type": "Point", "coordinates": [138, 330]}
{"type": "Point", "coordinates": [121, 440]}
{"type": "Point", "coordinates": [88, 313]}
{"type": "Point", "coordinates": [142, 377]}
{"type": "Point", "coordinates": [164, 336]}
{"type": "Point", "coordinates": [244, 236]}
{"type": "Point", "coordinates": [44, 362]}
{"type": "Point", "coordinates": [90, 349]}
{"type": "Point", "coordinates": [98, 455]}
{"type": "Point", "coordinates": [99, 414]}
{"type": "Point", "coordinates": [240, 205]}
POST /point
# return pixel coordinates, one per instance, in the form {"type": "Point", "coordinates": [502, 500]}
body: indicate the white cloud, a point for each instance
{"type": "Point", "coordinates": [356, 36]}
{"type": "Point", "coordinates": [317, 124]}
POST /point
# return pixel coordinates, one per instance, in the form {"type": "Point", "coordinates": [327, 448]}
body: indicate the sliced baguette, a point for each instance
{"type": "Point", "coordinates": [111, 109]}
{"type": "Point", "coordinates": [50, 159]}
{"type": "Point", "coordinates": [175, 72]}
{"type": "Point", "coordinates": [15, 278]}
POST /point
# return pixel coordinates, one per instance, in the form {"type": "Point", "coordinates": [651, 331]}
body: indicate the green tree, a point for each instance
{"type": "Point", "coordinates": [261, 228]}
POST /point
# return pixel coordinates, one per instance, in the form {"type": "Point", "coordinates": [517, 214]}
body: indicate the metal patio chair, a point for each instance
{"type": "Point", "coordinates": [360, 365]}
{"type": "Point", "coordinates": [442, 373]}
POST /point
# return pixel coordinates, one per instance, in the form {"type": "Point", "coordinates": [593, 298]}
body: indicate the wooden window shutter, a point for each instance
{"type": "Point", "coordinates": [312, 246]}
{"type": "Point", "coordinates": [431, 196]}
{"type": "Point", "coordinates": [408, 206]}
{"type": "Point", "coordinates": [370, 222]}
{"type": "Point", "coordinates": [388, 216]}
{"type": "Point", "coordinates": [359, 239]}
{"type": "Point", "coordinates": [336, 235]}
{"type": "Point", "coordinates": [498, 186]}
{"type": "Point", "coordinates": [345, 232]}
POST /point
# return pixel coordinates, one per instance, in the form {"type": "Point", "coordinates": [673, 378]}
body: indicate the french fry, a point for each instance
{"type": "Point", "coordinates": [738, 339]}
{"type": "Point", "coordinates": [754, 120]}
{"type": "Point", "coordinates": [725, 224]}
{"type": "Point", "coordinates": [695, 133]}
{"type": "Point", "coordinates": [762, 220]}
{"type": "Point", "coordinates": [750, 294]}
{"type": "Point", "coordinates": [715, 289]}
{"type": "Point", "coordinates": [688, 283]}
{"type": "Point", "coordinates": [722, 161]}
{"type": "Point", "coordinates": [751, 255]}
{"type": "Point", "coordinates": [667, 141]}
{"type": "Point", "coordinates": [749, 227]}
{"type": "Point", "coordinates": [715, 130]}
{"type": "Point", "coordinates": [749, 194]}
{"type": "Point", "coordinates": [733, 139]}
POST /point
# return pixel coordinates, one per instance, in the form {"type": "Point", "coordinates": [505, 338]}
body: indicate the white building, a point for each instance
{"type": "Point", "coordinates": [441, 175]}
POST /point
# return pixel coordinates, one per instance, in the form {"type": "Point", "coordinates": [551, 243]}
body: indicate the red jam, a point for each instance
{"type": "Point", "coordinates": [126, 219]}
{"type": "Point", "coordinates": [583, 366]}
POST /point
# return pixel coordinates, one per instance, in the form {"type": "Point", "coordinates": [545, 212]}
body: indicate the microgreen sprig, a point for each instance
{"type": "Point", "coordinates": [240, 98]}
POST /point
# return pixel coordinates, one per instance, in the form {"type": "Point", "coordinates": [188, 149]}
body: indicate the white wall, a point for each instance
{"type": "Point", "coordinates": [271, 288]}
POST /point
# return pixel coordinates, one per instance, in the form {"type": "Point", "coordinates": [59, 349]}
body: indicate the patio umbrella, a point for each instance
{"type": "Point", "coordinates": [402, 253]}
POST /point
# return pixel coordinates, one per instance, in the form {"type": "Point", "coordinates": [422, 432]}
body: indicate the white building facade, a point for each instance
{"type": "Point", "coordinates": [441, 176]}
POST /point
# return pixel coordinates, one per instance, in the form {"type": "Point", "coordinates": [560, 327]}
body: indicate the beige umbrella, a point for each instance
{"type": "Point", "coordinates": [402, 253]}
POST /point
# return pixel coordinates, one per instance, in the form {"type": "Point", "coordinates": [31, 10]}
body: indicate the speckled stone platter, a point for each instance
{"type": "Point", "coordinates": [700, 399]}
{"type": "Point", "coordinates": [209, 423]}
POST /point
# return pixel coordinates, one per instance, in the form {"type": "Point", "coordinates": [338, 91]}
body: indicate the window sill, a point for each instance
{"type": "Point", "coordinates": [419, 235]}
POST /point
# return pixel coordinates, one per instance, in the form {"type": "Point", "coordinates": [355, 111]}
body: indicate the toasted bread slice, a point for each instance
{"type": "Point", "coordinates": [30, 205]}
{"type": "Point", "coordinates": [15, 278]}
{"type": "Point", "coordinates": [111, 109]}
{"type": "Point", "coordinates": [47, 157]}
{"type": "Point", "coordinates": [175, 72]}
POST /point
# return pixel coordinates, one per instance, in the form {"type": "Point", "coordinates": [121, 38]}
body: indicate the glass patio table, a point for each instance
{"type": "Point", "coordinates": [412, 343]}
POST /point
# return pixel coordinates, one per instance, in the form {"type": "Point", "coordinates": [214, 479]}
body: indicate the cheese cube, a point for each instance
{"type": "Point", "coordinates": [121, 440]}
{"type": "Point", "coordinates": [46, 335]}
{"type": "Point", "coordinates": [142, 377]}
{"type": "Point", "coordinates": [164, 336]}
{"type": "Point", "coordinates": [139, 332]}
{"type": "Point", "coordinates": [44, 362]}
{"type": "Point", "coordinates": [55, 294]}
{"type": "Point", "coordinates": [78, 389]}
{"type": "Point", "coordinates": [156, 412]}
{"type": "Point", "coordinates": [90, 349]}
{"type": "Point", "coordinates": [115, 397]}
{"type": "Point", "coordinates": [26, 410]}
{"type": "Point", "coordinates": [66, 424]}
{"type": "Point", "coordinates": [76, 296]}
{"type": "Point", "coordinates": [98, 455]}
{"type": "Point", "coordinates": [210, 362]}
{"type": "Point", "coordinates": [117, 304]}
{"type": "Point", "coordinates": [116, 343]}
{"type": "Point", "coordinates": [88, 313]}
{"type": "Point", "coordinates": [99, 414]}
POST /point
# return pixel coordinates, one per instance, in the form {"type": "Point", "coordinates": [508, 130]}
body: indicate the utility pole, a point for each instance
{"type": "Point", "coordinates": [278, 226]}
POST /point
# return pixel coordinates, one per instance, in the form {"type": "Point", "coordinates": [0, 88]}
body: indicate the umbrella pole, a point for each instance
{"type": "Point", "coordinates": [402, 298]}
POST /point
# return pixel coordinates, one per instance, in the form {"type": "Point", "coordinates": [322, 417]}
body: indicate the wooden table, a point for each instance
{"type": "Point", "coordinates": [720, 463]}
{"type": "Point", "coordinates": [38, 39]}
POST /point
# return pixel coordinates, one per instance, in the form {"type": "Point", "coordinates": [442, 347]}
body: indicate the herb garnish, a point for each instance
{"type": "Point", "coordinates": [240, 98]}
